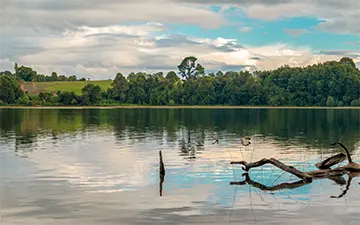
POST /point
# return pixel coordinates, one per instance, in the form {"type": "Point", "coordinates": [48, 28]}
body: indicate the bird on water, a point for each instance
{"type": "Point", "coordinates": [245, 141]}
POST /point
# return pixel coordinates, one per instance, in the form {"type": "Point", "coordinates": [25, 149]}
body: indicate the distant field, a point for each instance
{"type": "Point", "coordinates": [75, 86]}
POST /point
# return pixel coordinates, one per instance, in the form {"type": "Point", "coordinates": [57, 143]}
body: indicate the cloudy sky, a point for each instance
{"type": "Point", "coordinates": [97, 39]}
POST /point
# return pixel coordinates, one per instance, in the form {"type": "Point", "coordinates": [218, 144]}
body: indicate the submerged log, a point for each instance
{"type": "Point", "coordinates": [324, 167]}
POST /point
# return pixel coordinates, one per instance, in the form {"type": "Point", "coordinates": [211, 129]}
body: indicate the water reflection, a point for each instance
{"type": "Point", "coordinates": [99, 166]}
{"type": "Point", "coordinates": [309, 127]}
{"type": "Point", "coordinates": [293, 185]}
{"type": "Point", "coordinates": [191, 143]}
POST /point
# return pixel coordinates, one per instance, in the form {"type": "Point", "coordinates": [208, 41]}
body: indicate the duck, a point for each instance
{"type": "Point", "coordinates": [245, 141]}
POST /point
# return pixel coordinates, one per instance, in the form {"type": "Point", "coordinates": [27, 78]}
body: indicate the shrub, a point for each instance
{"type": "Point", "coordinates": [171, 102]}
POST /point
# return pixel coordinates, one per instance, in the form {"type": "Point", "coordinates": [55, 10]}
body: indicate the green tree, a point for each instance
{"type": "Point", "coordinates": [16, 69]}
{"type": "Point", "coordinates": [25, 73]}
{"type": "Point", "coordinates": [172, 77]}
{"type": "Point", "coordinates": [219, 74]}
{"type": "Point", "coordinates": [6, 73]}
{"type": "Point", "coordinates": [205, 93]}
{"type": "Point", "coordinates": [188, 68]}
{"type": "Point", "coordinates": [347, 60]}
{"type": "Point", "coordinates": [340, 103]}
{"type": "Point", "coordinates": [355, 102]}
{"type": "Point", "coordinates": [120, 87]}
{"type": "Point", "coordinates": [91, 94]}
{"type": "Point", "coordinates": [72, 78]}
{"type": "Point", "coordinates": [137, 93]}
{"type": "Point", "coordinates": [10, 90]}
{"type": "Point", "coordinates": [45, 97]}
{"type": "Point", "coordinates": [54, 76]}
{"type": "Point", "coordinates": [68, 98]}
{"type": "Point", "coordinates": [330, 101]}
{"type": "Point", "coordinates": [61, 78]}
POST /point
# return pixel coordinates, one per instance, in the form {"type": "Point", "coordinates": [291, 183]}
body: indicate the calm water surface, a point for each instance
{"type": "Point", "coordinates": [100, 166]}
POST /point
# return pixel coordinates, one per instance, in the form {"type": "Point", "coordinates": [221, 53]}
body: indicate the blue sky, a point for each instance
{"type": "Point", "coordinates": [99, 39]}
{"type": "Point", "coordinates": [262, 32]}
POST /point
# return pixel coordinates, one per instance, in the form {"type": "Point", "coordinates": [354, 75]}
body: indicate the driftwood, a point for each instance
{"type": "Point", "coordinates": [161, 173]}
{"type": "Point", "coordinates": [329, 162]}
{"type": "Point", "coordinates": [306, 177]}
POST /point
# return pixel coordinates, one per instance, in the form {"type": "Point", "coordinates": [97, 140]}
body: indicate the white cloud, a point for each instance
{"type": "Point", "coordinates": [60, 15]}
{"type": "Point", "coordinates": [97, 39]}
{"type": "Point", "coordinates": [99, 53]}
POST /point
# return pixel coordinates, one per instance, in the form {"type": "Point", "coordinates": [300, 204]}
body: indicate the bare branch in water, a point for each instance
{"type": "Point", "coordinates": [327, 163]}
{"type": "Point", "coordinates": [352, 169]}
{"type": "Point", "coordinates": [276, 163]}
{"type": "Point", "coordinates": [162, 173]}
{"type": "Point", "coordinates": [346, 150]}
{"type": "Point", "coordinates": [162, 167]}
{"type": "Point", "coordinates": [324, 172]}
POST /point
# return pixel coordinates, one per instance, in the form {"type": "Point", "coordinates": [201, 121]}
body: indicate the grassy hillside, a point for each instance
{"type": "Point", "coordinates": [75, 86]}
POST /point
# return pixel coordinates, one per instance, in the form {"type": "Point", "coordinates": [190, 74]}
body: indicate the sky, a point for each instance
{"type": "Point", "coordinates": [98, 39]}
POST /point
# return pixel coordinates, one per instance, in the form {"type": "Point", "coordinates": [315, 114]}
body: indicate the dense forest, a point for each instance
{"type": "Point", "coordinates": [333, 83]}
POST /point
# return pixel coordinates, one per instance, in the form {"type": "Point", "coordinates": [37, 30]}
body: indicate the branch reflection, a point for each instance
{"type": "Point", "coordinates": [293, 185]}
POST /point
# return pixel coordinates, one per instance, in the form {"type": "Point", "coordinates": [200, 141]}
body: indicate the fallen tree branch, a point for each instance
{"type": "Point", "coordinates": [346, 150]}
{"type": "Point", "coordinates": [276, 163]}
{"type": "Point", "coordinates": [329, 162]}
{"type": "Point", "coordinates": [324, 167]}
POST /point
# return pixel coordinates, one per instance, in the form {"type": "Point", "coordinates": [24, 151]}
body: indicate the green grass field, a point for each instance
{"type": "Point", "coordinates": [75, 86]}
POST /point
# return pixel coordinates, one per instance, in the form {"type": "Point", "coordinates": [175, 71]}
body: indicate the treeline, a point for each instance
{"type": "Point", "coordinates": [333, 83]}
{"type": "Point", "coordinates": [28, 74]}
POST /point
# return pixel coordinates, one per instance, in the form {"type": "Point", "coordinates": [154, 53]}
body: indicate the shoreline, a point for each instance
{"type": "Point", "coordinates": [177, 107]}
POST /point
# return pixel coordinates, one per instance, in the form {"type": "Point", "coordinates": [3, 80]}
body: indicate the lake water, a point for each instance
{"type": "Point", "coordinates": [101, 166]}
